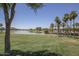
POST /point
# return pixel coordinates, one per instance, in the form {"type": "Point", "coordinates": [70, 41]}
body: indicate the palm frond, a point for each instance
{"type": "Point", "coordinates": [34, 6]}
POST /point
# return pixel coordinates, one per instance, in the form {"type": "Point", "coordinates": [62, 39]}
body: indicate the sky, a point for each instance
{"type": "Point", "coordinates": [26, 18]}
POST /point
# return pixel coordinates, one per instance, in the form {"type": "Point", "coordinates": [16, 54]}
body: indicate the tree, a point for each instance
{"type": "Point", "coordinates": [1, 26]}
{"type": "Point", "coordinates": [51, 27]}
{"type": "Point", "coordinates": [77, 25]}
{"type": "Point", "coordinates": [38, 29]}
{"type": "Point", "coordinates": [65, 19]}
{"type": "Point", "coordinates": [63, 25]}
{"type": "Point", "coordinates": [58, 22]}
{"type": "Point", "coordinates": [31, 30]}
{"type": "Point", "coordinates": [9, 13]}
{"type": "Point", "coordinates": [73, 15]}
{"type": "Point", "coordinates": [46, 30]}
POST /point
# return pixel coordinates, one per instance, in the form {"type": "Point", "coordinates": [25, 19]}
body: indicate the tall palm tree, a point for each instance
{"type": "Point", "coordinates": [63, 25]}
{"type": "Point", "coordinates": [51, 27]}
{"type": "Point", "coordinates": [65, 19]}
{"type": "Point", "coordinates": [1, 26]}
{"type": "Point", "coordinates": [73, 15]}
{"type": "Point", "coordinates": [9, 13]}
{"type": "Point", "coordinates": [58, 22]}
{"type": "Point", "coordinates": [77, 26]}
{"type": "Point", "coordinates": [70, 19]}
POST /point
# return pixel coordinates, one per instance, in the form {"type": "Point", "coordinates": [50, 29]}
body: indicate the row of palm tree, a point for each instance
{"type": "Point", "coordinates": [65, 20]}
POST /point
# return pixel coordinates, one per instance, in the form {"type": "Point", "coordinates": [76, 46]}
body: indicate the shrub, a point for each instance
{"type": "Point", "coordinates": [46, 31]}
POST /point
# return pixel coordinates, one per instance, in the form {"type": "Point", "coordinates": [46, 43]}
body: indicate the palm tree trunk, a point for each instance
{"type": "Point", "coordinates": [63, 29]}
{"type": "Point", "coordinates": [70, 27]}
{"type": "Point", "coordinates": [7, 31]}
{"type": "Point", "coordinates": [1, 30]}
{"type": "Point", "coordinates": [7, 39]}
{"type": "Point", "coordinates": [73, 27]}
{"type": "Point", "coordinates": [58, 29]}
{"type": "Point", "coordinates": [8, 20]}
{"type": "Point", "coordinates": [67, 29]}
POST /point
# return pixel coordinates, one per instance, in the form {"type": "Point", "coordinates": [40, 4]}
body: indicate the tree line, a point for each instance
{"type": "Point", "coordinates": [66, 26]}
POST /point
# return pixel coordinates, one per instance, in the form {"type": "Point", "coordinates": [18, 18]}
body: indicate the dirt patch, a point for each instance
{"type": "Point", "coordinates": [71, 42]}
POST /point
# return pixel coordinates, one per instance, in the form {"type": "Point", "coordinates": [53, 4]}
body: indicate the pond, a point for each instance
{"type": "Point", "coordinates": [27, 32]}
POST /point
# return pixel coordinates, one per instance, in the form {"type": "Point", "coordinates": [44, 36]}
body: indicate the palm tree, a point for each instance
{"type": "Point", "coordinates": [58, 22]}
{"type": "Point", "coordinates": [77, 26]}
{"type": "Point", "coordinates": [1, 26]}
{"type": "Point", "coordinates": [9, 13]}
{"type": "Point", "coordinates": [38, 29]}
{"type": "Point", "coordinates": [63, 25]}
{"type": "Point", "coordinates": [73, 15]}
{"type": "Point", "coordinates": [70, 19]}
{"type": "Point", "coordinates": [65, 19]}
{"type": "Point", "coordinates": [51, 27]}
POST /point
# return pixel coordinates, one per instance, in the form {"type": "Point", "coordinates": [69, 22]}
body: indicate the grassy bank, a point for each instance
{"type": "Point", "coordinates": [62, 45]}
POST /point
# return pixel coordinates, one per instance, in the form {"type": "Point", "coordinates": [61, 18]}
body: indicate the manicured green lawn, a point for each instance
{"type": "Point", "coordinates": [53, 43]}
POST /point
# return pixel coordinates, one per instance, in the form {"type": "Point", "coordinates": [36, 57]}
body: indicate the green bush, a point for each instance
{"type": "Point", "coordinates": [46, 31]}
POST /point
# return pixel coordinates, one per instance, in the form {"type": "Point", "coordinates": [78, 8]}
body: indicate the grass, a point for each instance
{"type": "Point", "coordinates": [62, 45]}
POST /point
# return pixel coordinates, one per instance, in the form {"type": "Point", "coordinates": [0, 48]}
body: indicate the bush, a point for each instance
{"type": "Point", "coordinates": [46, 31]}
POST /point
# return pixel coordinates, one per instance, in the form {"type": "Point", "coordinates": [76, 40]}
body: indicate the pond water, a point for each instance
{"type": "Point", "coordinates": [27, 32]}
